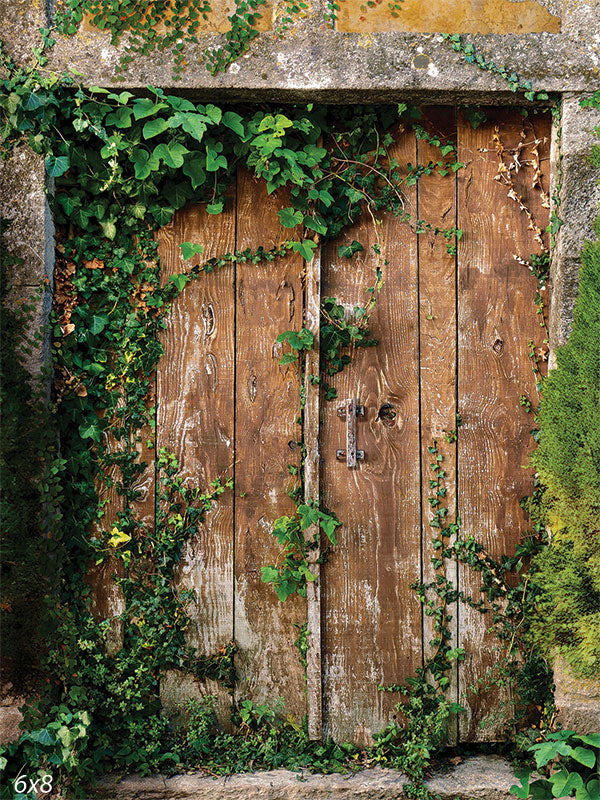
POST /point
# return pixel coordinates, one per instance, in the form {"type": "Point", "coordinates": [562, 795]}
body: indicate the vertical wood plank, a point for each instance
{"type": "Point", "coordinates": [312, 468]}
{"type": "Point", "coordinates": [195, 414]}
{"type": "Point", "coordinates": [496, 318]}
{"type": "Point", "coordinates": [372, 619]}
{"type": "Point", "coordinates": [437, 343]}
{"type": "Point", "coordinates": [269, 300]}
{"type": "Point", "coordinates": [144, 484]}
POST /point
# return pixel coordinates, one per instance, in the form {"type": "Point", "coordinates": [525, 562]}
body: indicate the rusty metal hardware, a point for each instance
{"type": "Point", "coordinates": [349, 411]}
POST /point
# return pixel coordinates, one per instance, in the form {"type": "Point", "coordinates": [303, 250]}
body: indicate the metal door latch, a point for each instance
{"type": "Point", "coordinates": [349, 411]}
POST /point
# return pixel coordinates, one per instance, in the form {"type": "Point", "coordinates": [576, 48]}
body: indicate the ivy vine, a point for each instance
{"type": "Point", "coordinates": [122, 166]}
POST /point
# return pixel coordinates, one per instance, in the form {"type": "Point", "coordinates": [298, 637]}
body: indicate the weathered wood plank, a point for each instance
{"type": "Point", "coordinates": [437, 342]}
{"type": "Point", "coordinates": [312, 469]}
{"type": "Point", "coordinates": [269, 300]}
{"type": "Point", "coordinates": [372, 619]}
{"type": "Point", "coordinates": [496, 318]}
{"type": "Point", "coordinates": [145, 483]}
{"type": "Point", "coordinates": [195, 414]}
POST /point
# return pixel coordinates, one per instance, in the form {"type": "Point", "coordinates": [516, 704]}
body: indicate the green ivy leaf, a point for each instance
{"type": "Point", "coordinates": [233, 121]}
{"type": "Point", "coordinates": [584, 756]}
{"type": "Point", "coordinates": [121, 118]}
{"type": "Point", "coordinates": [213, 159]}
{"type": "Point", "coordinates": [546, 751]}
{"type": "Point", "coordinates": [109, 229]}
{"type": "Point", "coordinates": [315, 224]}
{"type": "Point", "coordinates": [213, 113]}
{"type": "Point", "coordinates": [593, 739]}
{"type": "Point", "coordinates": [192, 123]}
{"type": "Point", "coordinates": [98, 323]}
{"type": "Point", "coordinates": [89, 430]}
{"type": "Point", "coordinates": [306, 248]}
{"type": "Point", "coordinates": [57, 165]}
{"type": "Point", "coordinates": [347, 251]}
{"type": "Point", "coordinates": [154, 127]}
{"type": "Point", "coordinates": [178, 194]}
{"type": "Point", "coordinates": [144, 163]}
{"type": "Point", "coordinates": [521, 791]}
{"type": "Point", "coordinates": [189, 250]}
{"type": "Point", "coordinates": [138, 210]}
{"type": "Point", "coordinates": [162, 214]}
{"type": "Point", "coordinates": [269, 574]}
{"type": "Point", "coordinates": [193, 167]}
{"type": "Point", "coordinates": [143, 107]}
{"type": "Point", "coordinates": [289, 217]}
{"type": "Point", "coordinates": [172, 154]}
{"type": "Point", "coordinates": [179, 280]}
{"type": "Point", "coordinates": [288, 358]}
{"type": "Point", "coordinates": [564, 782]}
{"type": "Point", "coordinates": [591, 791]}
{"type": "Point", "coordinates": [475, 117]}
{"type": "Point", "coordinates": [214, 208]}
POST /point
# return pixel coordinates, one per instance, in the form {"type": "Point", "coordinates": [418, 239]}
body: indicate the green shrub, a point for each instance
{"type": "Point", "coordinates": [568, 464]}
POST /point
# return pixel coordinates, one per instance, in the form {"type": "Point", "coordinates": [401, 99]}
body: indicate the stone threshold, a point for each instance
{"type": "Point", "coordinates": [486, 777]}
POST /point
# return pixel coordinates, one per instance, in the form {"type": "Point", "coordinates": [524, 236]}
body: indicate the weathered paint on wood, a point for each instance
{"type": "Point", "coordinates": [372, 619]}
{"type": "Point", "coordinates": [496, 318]}
{"type": "Point", "coordinates": [312, 471]}
{"type": "Point", "coordinates": [195, 414]}
{"type": "Point", "coordinates": [269, 300]}
{"type": "Point", "coordinates": [437, 346]}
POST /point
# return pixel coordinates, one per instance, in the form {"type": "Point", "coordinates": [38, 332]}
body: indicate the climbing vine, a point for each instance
{"type": "Point", "coordinates": [122, 166]}
{"type": "Point", "coordinates": [159, 25]}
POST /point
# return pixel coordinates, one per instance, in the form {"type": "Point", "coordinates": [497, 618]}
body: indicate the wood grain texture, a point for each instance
{"type": "Point", "coordinates": [269, 300]}
{"type": "Point", "coordinates": [437, 342]}
{"type": "Point", "coordinates": [312, 471]}
{"type": "Point", "coordinates": [195, 412]}
{"type": "Point", "coordinates": [145, 483]}
{"type": "Point", "coordinates": [372, 620]}
{"type": "Point", "coordinates": [496, 318]}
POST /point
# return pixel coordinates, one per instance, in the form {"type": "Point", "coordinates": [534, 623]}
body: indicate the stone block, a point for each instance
{"type": "Point", "coordinates": [449, 16]}
{"type": "Point", "coordinates": [580, 201]}
{"type": "Point", "coordinates": [41, 301]}
{"type": "Point", "coordinates": [477, 778]}
{"type": "Point", "coordinates": [23, 204]}
{"type": "Point", "coordinates": [577, 699]}
{"type": "Point", "coordinates": [20, 23]}
{"type": "Point", "coordinates": [10, 716]}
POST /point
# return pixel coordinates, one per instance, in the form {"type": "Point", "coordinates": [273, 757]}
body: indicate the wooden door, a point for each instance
{"type": "Point", "coordinates": [453, 333]}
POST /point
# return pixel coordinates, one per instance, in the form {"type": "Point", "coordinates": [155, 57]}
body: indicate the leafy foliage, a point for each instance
{"type": "Point", "coordinates": [165, 25]}
{"type": "Point", "coordinates": [569, 472]}
{"type": "Point", "coordinates": [292, 574]}
{"type": "Point", "coordinates": [471, 56]}
{"type": "Point", "coordinates": [572, 766]}
{"type": "Point", "coordinates": [263, 740]}
{"type": "Point", "coordinates": [58, 746]}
